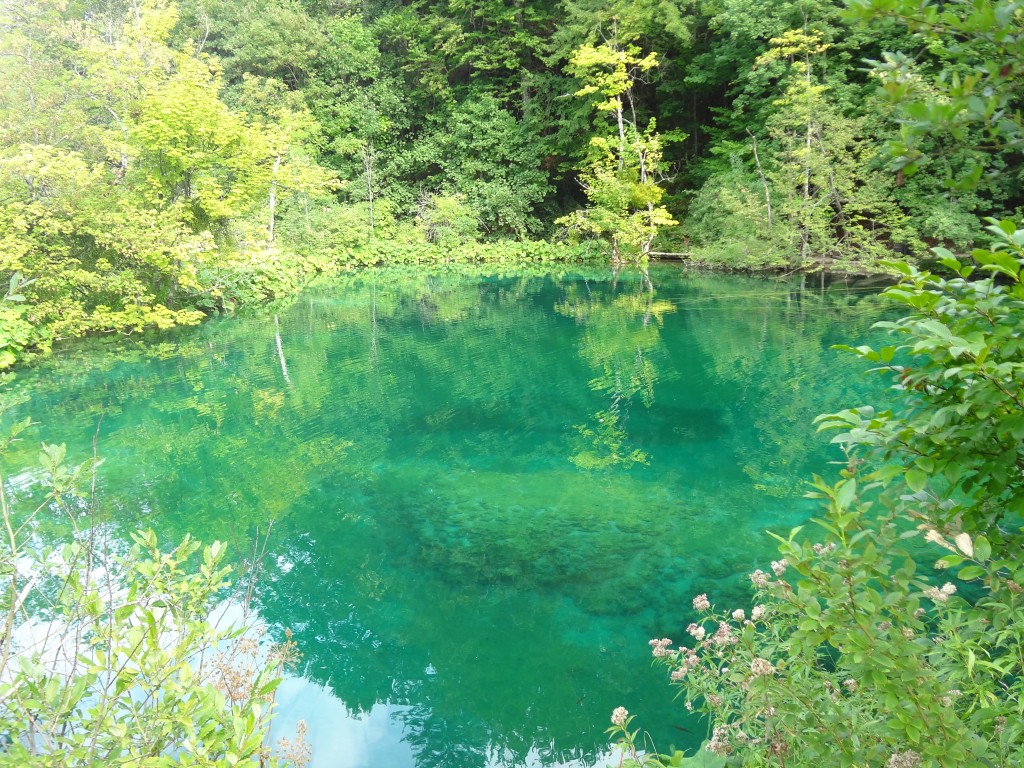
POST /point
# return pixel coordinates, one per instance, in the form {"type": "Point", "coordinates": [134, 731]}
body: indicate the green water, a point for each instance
{"type": "Point", "coordinates": [487, 492]}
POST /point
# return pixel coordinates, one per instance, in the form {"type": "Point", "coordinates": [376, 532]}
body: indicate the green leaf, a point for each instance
{"type": "Point", "coordinates": [970, 572]}
{"type": "Point", "coordinates": [916, 480]}
{"type": "Point", "coordinates": [982, 548]}
{"type": "Point", "coordinates": [847, 492]}
{"type": "Point", "coordinates": [951, 560]}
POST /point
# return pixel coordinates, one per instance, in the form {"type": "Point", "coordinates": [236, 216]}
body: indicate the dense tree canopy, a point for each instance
{"type": "Point", "coordinates": [162, 160]}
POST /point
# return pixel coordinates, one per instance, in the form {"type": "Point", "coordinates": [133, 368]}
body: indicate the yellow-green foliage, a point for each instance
{"type": "Point", "coordinates": [620, 181]}
{"type": "Point", "coordinates": [120, 167]}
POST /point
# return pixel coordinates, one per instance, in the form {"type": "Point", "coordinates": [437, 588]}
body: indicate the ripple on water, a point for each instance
{"type": "Point", "coordinates": [486, 494]}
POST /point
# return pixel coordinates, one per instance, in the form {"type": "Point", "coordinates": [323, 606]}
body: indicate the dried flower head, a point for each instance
{"type": "Point", "coordinates": [660, 647]}
{"type": "Point", "coordinates": [906, 759]}
{"type": "Point", "coordinates": [696, 631]}
{"type": "Point", "coordinates": [738, 615]}
{"type": "Point", "coordinates": [299, 752]}
{"type": "Point", "coordinates": [724, 635]}
{"type": "Point", "coordinates": [940, 595]}
{"type": "Point", "coordinates": [619, 716]}
{"type": "Point", "coordinates": [757, 613]}
{"type": "Point", "coordinates": [761, 667]}
{"type": "Point", "coordinates": [719, 743]}
{"type": "Point", "coordinates": [779, 566]}
{"type": "Point", "coordinates": [701, 603]}
{"type": "Point", "coordinates": [759, 578]}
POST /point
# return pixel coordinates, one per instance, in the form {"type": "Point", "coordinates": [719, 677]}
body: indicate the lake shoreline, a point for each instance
{"type": "Point", "coordinates": [294, 273]}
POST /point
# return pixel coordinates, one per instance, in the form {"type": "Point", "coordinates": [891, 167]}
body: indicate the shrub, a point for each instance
{"type": "Point", "coordinates": [895, 640]}
{"type": "Point", "coordinates": [119, 659]}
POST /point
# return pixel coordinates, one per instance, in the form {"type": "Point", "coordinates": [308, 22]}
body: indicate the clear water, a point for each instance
{"type": "Point", "coordinates": [487, 492]}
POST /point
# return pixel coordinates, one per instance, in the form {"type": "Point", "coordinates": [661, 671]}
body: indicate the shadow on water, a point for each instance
{"type": "Point", "coordinates": [488, 491]}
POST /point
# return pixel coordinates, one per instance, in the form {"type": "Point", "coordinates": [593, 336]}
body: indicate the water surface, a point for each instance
{"type": "Point", "coordinates": [487, 492]}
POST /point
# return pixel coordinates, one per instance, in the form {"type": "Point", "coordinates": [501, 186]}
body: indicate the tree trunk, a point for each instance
{"type": "Point", "coordinates": [764, 181]}
{"type": "Point", "coordinates": [368, 156]}
{"type": "Point", "coordinates": [273, 199]}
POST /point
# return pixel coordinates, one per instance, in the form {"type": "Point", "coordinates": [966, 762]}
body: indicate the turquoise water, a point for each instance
{"type": "Point", "coordinates": [484, 494]}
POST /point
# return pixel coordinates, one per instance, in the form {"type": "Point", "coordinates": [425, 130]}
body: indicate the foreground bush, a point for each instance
{"type": "Point", "coordinates": [120, 659]}
{"type": "Point", "coordinates": [896, 639]}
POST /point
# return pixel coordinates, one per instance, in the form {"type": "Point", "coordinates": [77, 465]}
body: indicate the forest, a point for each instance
{"type": "Point", "coordinates": [495, 446]}
{"type": "Point", "coordinates": [160, 162]}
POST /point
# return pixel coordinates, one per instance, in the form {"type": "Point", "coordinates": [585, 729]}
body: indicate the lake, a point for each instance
{"type": "Point", "coordinates": [476, 496]}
